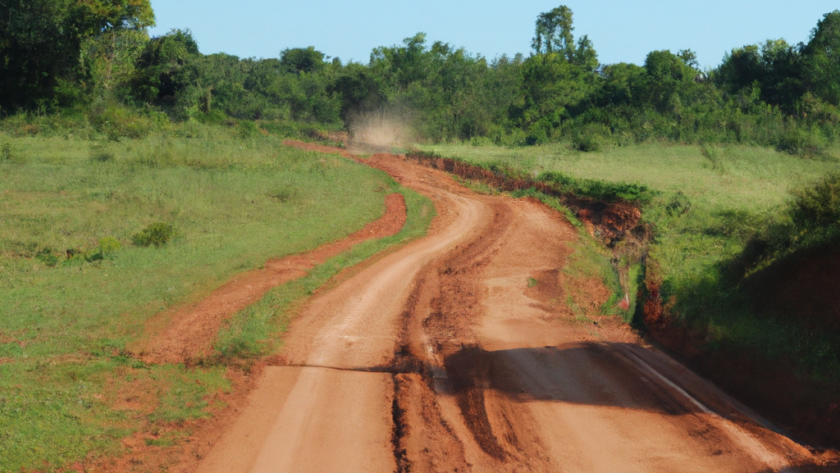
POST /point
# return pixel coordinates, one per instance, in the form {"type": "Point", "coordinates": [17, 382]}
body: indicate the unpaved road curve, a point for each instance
{"type": "Point", "coordinates": [440, 357]}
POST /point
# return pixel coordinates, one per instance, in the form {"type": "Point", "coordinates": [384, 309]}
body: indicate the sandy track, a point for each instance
{"type": "Point", "coordinates": [440, 357]}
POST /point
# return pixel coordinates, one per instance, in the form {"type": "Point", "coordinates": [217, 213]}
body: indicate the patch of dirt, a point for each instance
{"type": "Point", "coordinates": [192, 330]}
{"type": "Point", "coordinates": [143, 451]}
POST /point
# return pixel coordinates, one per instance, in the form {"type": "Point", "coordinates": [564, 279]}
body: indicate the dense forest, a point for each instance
{"type": "Point", "coordinates": [93, 61]}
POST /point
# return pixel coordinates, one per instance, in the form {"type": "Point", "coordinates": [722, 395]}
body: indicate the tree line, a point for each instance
{"type": "Point", "coordinates": [85, 56]}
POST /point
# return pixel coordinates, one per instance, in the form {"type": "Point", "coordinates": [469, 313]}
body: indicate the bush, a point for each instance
{"type": "Point", "coordinates": [45, 256]}
{"type": "Point", "coordinates": [157, 234]}
{"type": "Point", "coordinates": [6, 151]}
{"type": "Point", "coordinates": [817, 207]}
{"type": "Point", "coordinates": [601, 190]}
{"type": "Point", "coordinates": [248, 129]}
{"type": "Point", "coordinates": [117, 121]}
{"type": "Point", "coordinates": [109, 245]}
{"type": "Point", "coordinates": [589, 138]}
{"type": "Point", "coordinates": [802, 143]}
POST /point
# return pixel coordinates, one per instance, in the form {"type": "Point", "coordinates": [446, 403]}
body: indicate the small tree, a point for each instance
{"type": "Point", "coordinates": [110, 17]}
{"type": "Point", "coordinates": [554, 35]}
{"type": "Point", "coordinates": [822, 63]}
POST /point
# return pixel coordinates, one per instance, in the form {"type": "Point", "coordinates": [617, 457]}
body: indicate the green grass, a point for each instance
{"type": "Point", "coordinates": [709, 202]}
{"type": "Point", "coordinates": [65, 322]}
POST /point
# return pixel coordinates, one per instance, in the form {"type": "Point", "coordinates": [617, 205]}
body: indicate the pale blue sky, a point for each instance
{"type": "Point", "coordinates": [621, 30]}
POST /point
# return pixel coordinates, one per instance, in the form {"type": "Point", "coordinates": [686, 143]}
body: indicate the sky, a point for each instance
{"type": "Point", "coordinates": [621, 30]}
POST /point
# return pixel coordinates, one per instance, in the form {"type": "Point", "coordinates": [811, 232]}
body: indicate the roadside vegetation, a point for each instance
{"type": "Point", "coordinates": [138, 173]}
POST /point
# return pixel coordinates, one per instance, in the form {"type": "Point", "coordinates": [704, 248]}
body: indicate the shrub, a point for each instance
{"type": "Point", "coordinates": [157, 234]}
{"type": "Point", "coordinates": [117, 122]}
{"type": "Point", "coordinates": [109, 245]}
{"type": "Point", "coordinates": [679, 204]}
{"type": "Point", "coordinates": [817, 207]}
{"type": "Point", "coordinates": [7, 152]}
{"type": "Point", "coordinates": [589, 139]}
{"type": "Point", "coordinates": [802, 143]}
{"type": "Point", "coordinates": [248, 129]}
{"type": "Point", "coordinates": [45, 256]}
{"type": "Point", "coordinates": [601, 190]}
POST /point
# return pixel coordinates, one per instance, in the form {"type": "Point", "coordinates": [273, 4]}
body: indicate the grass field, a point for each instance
{"type": "Point", "coordinates": [71, 299]}
{"type": "Point", "coordinates": [709, 201]}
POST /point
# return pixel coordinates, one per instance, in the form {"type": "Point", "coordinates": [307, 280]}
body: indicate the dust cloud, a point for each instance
{"type": "Point", "coordinates": [381, 129]}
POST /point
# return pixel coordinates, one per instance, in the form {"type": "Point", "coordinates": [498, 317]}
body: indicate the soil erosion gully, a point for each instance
{"type": "Point", "coordinates": [467, 351]}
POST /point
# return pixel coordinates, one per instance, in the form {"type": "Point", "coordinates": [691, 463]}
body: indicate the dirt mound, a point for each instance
{"type": "Point", "coordinates": [192, 330]}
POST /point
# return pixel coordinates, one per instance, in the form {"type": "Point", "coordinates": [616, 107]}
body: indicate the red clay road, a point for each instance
{"type": "Point", "coordinates": [477, 348]}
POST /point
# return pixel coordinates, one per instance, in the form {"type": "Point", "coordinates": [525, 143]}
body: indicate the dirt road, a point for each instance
{"type": "Point", "coordinates": [475, 349]}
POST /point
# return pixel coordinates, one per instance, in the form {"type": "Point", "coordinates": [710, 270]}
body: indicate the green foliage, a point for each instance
{"type": "Point", "coordinates": [47, 257]}
{"type": "Point", "coordinates": [41, 42]}
{"type": "Point", "coordinates": [772, 94]}
{"type": "Point", "coordinates": [6, 152]}
{"type": "Point", "coordinates": [554, 35]}
{"type": "Point", "coordinates": [822, 59]}
{"type": "Point", "coordinates": [817, 208]}
{"type": "Point", "coordinates": [598, 189]}
{"type": "Point", "coordinates": [301, 60]}
{"type": "Point", "coordinates": [109, 245]}
{"type": "Point", "coordinates": [157, 234]}
{"type": "Point", "coordinates": [163, 68]}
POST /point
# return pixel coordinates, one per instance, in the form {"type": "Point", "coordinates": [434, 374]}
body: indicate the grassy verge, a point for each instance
{"type": "Point", "coordinates": [75, 290]}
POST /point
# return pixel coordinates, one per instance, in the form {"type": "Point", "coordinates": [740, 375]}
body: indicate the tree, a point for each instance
{"type": "Point", "coordinates": [550, 86]}
{"type": "Point", "coordinates": [299, 60]}
{"type": "Point", "coordinates": [822, 59]}
{"type": "Point", "coordinates": [110, 17]}
{"type": "Point", "coordinates": [554, 35]}
{"type": "Point", "coordinates": [668, 77]}
{"type": "Point", "coordinates": [40, 42]}
{"type": "Point", "coordinates": [162, 70]}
